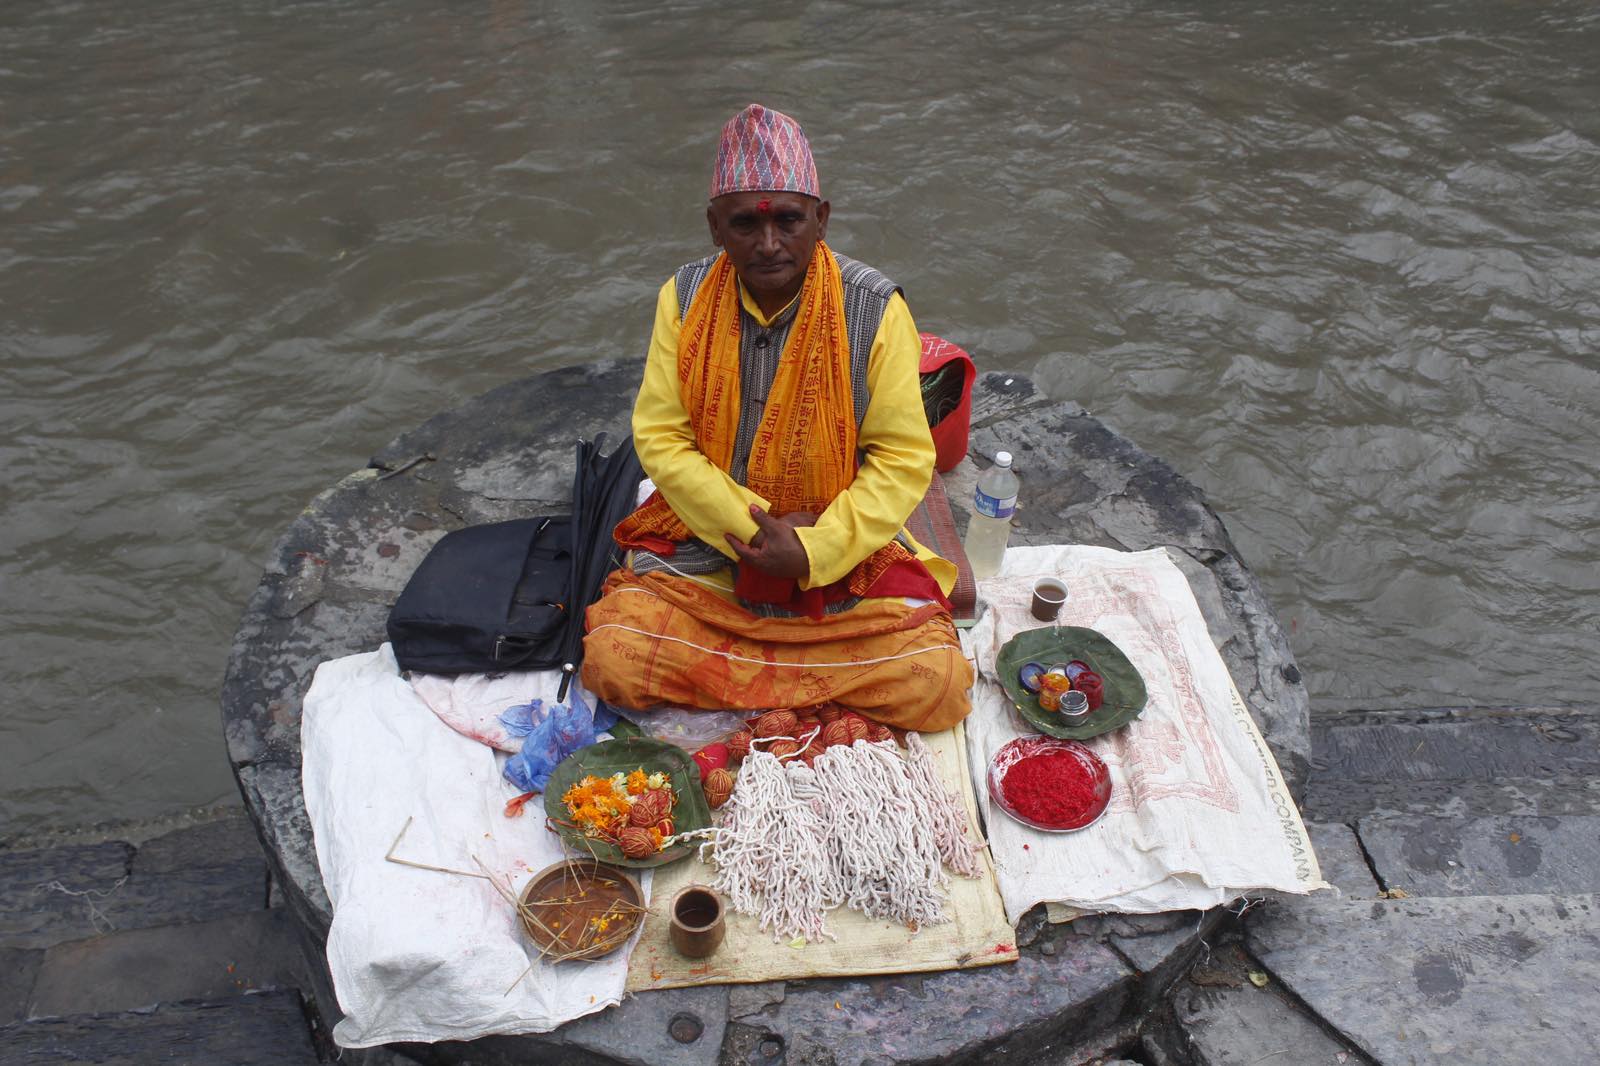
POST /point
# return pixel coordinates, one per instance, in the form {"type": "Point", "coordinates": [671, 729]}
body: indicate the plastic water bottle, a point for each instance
{"type": "Point", "coordinates": [993, 504]}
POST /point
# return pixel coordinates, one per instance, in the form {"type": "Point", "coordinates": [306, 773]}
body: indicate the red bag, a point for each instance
{"type": "Point", "coordinates": [949, 418]}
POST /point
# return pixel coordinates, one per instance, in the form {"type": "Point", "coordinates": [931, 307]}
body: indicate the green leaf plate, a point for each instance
{"type": "Point", "coordinates": [1124, 689]}
{"type": "Point", "coordinates": [624, 756]}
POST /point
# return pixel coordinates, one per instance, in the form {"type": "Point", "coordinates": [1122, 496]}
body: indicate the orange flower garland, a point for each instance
{"type": "Point", "coordinates": [604, 807]}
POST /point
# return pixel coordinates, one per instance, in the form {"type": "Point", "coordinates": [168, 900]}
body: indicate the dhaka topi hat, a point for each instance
{"type": "Point", "coordinates": [763, 151]}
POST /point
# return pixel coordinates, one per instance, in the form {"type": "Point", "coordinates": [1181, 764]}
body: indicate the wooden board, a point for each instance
{"type": "Point", "coordinates": [978, 935]}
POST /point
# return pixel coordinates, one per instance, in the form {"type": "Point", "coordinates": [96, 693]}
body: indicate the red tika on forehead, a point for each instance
{"type": "Point", "coordinates": [764, 206]}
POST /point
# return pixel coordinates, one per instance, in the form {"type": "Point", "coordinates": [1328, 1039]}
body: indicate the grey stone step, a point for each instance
{"type": "Point", "coordinates": [1245, 1026]}
{"type": "Point", "coordinates": [269, 1029]}
{"type": "Point", "coordinates": [18, 968]}
{"type": "Point", "coordinates": [1522, 796]}
{"type": "Point", "coordinates": [1459, 980]}
{"type": "Point", "coordinates": [1484, 856]}
{"type": "Point", "coordinates": [1456, 744]}
{"type": "Point", "coordinates": [54, 894]}
{"type": "Point", "coordinates": [653, 1029]}
{"type": "Point", "coordinates": [144, 967]}
{"type": "Point", "coordinates": [1226, 1020]}
{"type": "Point", "coordinates": [226, 843]}
{"type": "Point", "coordinates": [1448, 761]}
{"type": "Point", "coordinates": [997, 1013]}
{"type": "Point", "coordinates": [1344, 866]}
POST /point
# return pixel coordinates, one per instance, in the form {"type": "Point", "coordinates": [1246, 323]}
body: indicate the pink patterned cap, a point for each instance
{"type": "Point", "coordinates": [763, 151]}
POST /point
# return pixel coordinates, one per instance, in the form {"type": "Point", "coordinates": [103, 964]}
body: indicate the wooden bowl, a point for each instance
{"type": "Point", "coordinates": [563, 906]}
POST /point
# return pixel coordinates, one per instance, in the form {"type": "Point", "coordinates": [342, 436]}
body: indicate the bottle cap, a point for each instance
{"type": "Point", "coordinates": [1002, 458]}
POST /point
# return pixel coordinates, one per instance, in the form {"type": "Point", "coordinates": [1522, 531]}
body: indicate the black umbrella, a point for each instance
{"type": "Point", "coordinates": [603, 492]}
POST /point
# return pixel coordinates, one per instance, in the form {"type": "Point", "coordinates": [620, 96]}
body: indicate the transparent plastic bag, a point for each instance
{"type": "Point", "coordinates": [690, 730]}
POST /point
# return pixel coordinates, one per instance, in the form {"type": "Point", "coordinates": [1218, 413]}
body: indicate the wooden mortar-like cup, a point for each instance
{"type": "Point", "coordinates": [697, 921]}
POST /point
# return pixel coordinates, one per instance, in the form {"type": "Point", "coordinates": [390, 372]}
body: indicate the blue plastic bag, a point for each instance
{"type": "Point", "coordinates": [521, 720]}
{"type": "Point", "coordinates": [547, 740]}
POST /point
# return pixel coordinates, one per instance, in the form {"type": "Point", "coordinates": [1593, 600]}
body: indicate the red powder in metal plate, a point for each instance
{"type": "Point", "coordinates": [1053, 789]}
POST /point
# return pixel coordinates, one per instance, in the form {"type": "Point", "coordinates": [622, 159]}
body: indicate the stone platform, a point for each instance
{"type": "Point", "coordinates": [1077, 990]}
{"type": "Point", "coordinates": [1462, 842]}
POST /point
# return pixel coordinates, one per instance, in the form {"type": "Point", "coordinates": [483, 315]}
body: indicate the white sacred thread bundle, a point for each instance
{"type": "Point", "coordinates": [862, 827]}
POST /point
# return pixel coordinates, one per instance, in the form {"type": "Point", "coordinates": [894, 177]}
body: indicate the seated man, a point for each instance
{"type": "Point", "coordinates": [782, 423]}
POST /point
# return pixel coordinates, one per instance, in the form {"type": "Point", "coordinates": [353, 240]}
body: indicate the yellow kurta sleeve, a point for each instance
{"type": "Point", "coordinates": [897, 464]}
{"type": "Point", "coordinates": [709, 501]}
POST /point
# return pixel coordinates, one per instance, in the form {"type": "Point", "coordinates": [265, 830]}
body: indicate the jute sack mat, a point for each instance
{"type": "Point", "coordinates": [977, 935]}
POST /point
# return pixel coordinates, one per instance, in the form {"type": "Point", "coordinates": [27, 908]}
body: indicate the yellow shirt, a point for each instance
{"type": "Point", "coordinates": [894, 439]}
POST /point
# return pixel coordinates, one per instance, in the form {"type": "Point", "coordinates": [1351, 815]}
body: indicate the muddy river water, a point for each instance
{"type": "Point", "coordinates": [1337, 263]}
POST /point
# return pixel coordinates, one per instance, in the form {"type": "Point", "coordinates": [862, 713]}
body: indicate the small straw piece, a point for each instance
{"type": "Point", "coordinates": [390, 857]}
{"type": "Point", "coordinates": [620, 910]}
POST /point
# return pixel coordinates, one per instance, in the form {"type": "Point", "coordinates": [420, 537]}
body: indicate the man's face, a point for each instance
{"type": "Point", "coordinates": [769, 237]}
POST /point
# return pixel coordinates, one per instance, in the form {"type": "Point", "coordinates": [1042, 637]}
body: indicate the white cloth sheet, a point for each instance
{"type": "Point", "coordinates": [1199, 813]}
{"type": "Point", "coordinates": [471, 704]}
{"type": "Point", "coordinates": [418, 955]}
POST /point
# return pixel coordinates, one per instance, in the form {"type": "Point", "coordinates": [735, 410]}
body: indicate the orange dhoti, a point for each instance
{"type": "Point", "coordinates": [662, 639]}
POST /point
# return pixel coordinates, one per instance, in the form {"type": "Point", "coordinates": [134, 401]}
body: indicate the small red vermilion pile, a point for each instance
{"type": "Point", "coordinates": [1053, 788]}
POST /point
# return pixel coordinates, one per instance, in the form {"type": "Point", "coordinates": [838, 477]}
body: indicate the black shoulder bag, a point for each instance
{"type": "Point", "coordinates": [512, 595]}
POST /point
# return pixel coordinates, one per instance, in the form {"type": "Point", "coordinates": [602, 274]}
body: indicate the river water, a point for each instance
{"type": "Point", "coordinates": [1338, 263]}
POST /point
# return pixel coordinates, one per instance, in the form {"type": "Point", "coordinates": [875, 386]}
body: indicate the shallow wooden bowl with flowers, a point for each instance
{"type": "Point", "coordinates": [580, 909]}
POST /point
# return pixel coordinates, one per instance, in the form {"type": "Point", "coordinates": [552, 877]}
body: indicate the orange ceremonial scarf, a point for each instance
{"type": "Point", "coordinates": [804, 452]}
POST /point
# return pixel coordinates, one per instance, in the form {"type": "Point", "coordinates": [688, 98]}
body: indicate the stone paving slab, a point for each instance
{"type": "Point", "coordinates": [1343, 866]}
{"type": "Point", "coordinates": [1159, 947]}
{"type": "Point", "coordinates": [1455, 763]}
{"type": "Point", "coordinates": [1222, 1018]}
{"type": "Point", "coordinates": [1461, 981]}
{"type": "Point", "coordinates": [1455, 745]}
{"type": "Point", "coordinates": [1491, 856]}
{"type": "Point", "coordinates": [987, 1012]}
{"type": "Point", "coordinates": [199, 893]}
{"type": "Point", "coordinates": [1147, 940]}
{"type": "Point", "coordinates": [268, 1029]}
{"type": "Point", "coordinates": [1249, 1026]}
{"type": "Point", "coordinates": [227, 842]}
{"type": "Point", "coordinates": [144, 967]}
{"type": "Point", "coordinates": [273, 792]}
{"type": "Point", "coordinates": [48, 895]}
{"type": "Point", "coordinates": [1556, 796]}
{"type": "Point", "coordinates": [655, 1029]}
{"type": "Point", "coordinates": [678, 1027]}
{"type": "Point", "coordinates": [18, 968]}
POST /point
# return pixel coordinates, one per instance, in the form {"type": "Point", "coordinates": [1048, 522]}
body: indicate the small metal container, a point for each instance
{"type": "Point", "coordinates": [1074, 704]}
